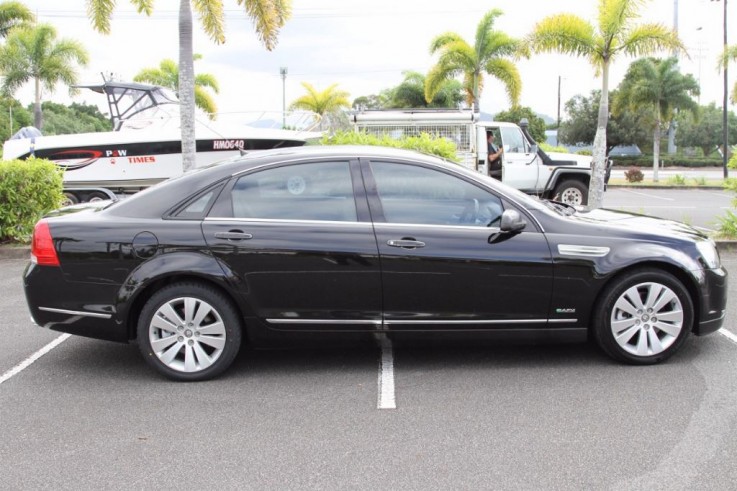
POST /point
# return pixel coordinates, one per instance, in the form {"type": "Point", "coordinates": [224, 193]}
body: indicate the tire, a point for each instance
{"type": "Point", "coordinates": [97, 196]}
{"type": "Point", "coordinates": [189, 351]}
{"type": "Point", "coordinates": [623, 319]}
{"type": "Point", "coordinates": [69, 199]}
{"type": "Point", "coordinates": [572, 192]}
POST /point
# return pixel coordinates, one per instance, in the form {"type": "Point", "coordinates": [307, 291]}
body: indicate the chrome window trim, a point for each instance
{"type": "Point", "coordinates": [76, 312]}
{"type": "Point", "coordinates": [492, 230]}
{"type": "Point", "coordinates": [285, 221]}
{"type": "Point", "coordinates": [326, 321]}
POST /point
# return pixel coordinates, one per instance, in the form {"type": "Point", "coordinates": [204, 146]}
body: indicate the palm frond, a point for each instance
{"type": "Point", "coordinates": [441, 41]}
{"type": "Point", "coordinates": [506, 72]}
{"type": "Point", "coordinates": [268, 17]}
{"type": "Point", "coordinates": [14, 14]}
{"type": "Point", "coordinates": [100, 12]}
{"type": "Point", "coordinates": [647, 39]}
{"type": "Point", "coordinates": [207, 80]}
{"type": "Point", "coordinates": [204, 101]}
{"type": "Point", "coordinates": [212, 18]}
{"type": "Point", "coordinates": [564, 33]}
{"type": "Point", "coordinates": [485, 29]}
{"type": "Point", "coordinates": [729, 54]}
{"type": "Point", "coordinates": [143, 6]}
{"type": "Point", "coordinates": [436, 77]}
{"type": "Point", "coordinates": [616, 15]}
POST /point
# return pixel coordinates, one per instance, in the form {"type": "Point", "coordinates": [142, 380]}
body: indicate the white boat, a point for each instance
{"type": "Point", "coordinates": [144, 147]}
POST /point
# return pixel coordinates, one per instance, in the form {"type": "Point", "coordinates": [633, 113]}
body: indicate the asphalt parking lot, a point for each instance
{"type": "Point", "coordinates": [91, 415]}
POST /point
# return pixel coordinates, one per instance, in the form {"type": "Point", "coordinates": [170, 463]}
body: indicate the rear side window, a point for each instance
{"type": "Point", "coordinates": [309, 191]}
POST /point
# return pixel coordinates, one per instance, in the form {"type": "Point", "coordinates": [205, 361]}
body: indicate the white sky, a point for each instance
{"type": "Point", "coordinates": [364, 46]}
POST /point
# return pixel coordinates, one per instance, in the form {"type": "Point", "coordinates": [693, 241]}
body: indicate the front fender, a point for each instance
{"type": "Point", "coordinates": [561, 174]}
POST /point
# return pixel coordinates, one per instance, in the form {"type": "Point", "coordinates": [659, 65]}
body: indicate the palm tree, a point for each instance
{"type": "Point", "coordinates": [268, 17]}
{"type": "Point", "coordinates": [13, 14]}
{"type": "Point", "coordinates": [33, 53]}
{"type": "Point", "coordinates": [615, 34]}
{"type": "Point", "coordinates": [488, 54]}
{"type": "Point", "coordinates": [411, 93]}
{"type": "Point", "coordinates": [323, 103]}
{"type": "Point", "coordinates": [167, 75]}
{"type": "Point", "coordinates": [730, 54]}
{"type": "Point", "coordinates": [657, 86]}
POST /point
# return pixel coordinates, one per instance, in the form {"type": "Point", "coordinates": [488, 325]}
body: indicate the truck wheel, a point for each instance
{"type": "Point", "coordinates": [97, 196]}
{"type": "Point", "coordinates": [572, 192]}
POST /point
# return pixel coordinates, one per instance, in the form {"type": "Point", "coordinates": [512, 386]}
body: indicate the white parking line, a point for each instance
{"type": "Point", "coordinates": [728, 334]}
{"type": "Point", "coordinates": [648, 195]}
{"type": "Point", "coordinates": [387, 399]}
{"type": "Point", "coordinates": [31, 359]}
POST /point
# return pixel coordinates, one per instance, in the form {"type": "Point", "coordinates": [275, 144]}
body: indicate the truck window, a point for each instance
{"type": "Point", "coordinates": [514, 141]}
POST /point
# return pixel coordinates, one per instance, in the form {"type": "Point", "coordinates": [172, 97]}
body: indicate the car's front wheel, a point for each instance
{"type": "Point", "coordinates": [643, 318]}
{"type": "Point", "coordinates": [189, 332]}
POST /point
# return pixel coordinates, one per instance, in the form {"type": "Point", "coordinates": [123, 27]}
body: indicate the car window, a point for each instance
{"type": "Point", "coordinates": [514, 141]}
{"type": "Point", "coordinates": [417, 195]}
{"type": "Point", "coordinates": [309, 191]}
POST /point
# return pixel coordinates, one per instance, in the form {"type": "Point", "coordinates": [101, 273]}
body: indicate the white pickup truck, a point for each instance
{"type": "Point", "coordinates": [564, 177]}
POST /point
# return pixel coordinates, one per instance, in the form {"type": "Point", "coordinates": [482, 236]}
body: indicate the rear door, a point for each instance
{"type": "Point", "coordinates": [299, 243]}
{"type": "Point", "coordinates": [444, 263]}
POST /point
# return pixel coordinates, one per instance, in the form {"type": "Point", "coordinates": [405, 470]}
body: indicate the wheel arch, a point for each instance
{"type": "Point", "coordinates": [560, 175]}
{"type": "Point", "coordinates": [686, 279]}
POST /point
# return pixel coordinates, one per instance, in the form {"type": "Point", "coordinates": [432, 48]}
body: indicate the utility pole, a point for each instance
{"type": "Point", "coordinates": [725, 122]}
{"type": "Point", "coordinates": [672, 126]}
{"type": "Point", "coordinates": [283, 72]}
{"type": "Point", "coordinates": [557, 128]}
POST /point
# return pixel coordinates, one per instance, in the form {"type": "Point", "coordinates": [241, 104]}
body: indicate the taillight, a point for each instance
{"type": "Point", "coordinates": [42, 246]}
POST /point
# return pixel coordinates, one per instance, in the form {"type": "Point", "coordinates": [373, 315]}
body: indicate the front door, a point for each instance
{"type": "Point", "coordinates": [444, 263]}
{"type": "Point", "coordinates": [520, 163]}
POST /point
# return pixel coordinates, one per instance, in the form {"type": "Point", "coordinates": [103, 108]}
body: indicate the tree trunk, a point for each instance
{"type": "Point", "coordinates": [476, 106]}
{"type": "Point", "coordinates": [598, 164]}
{"type": "Point", "coordinates": [656, 148]}
{"type": "Point", "coordinates": [38, 120]}
{"type": "Point", "coordinates": [186, 86]}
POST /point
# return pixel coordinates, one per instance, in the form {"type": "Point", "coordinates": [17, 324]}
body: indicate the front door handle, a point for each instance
{"type": "Point", "coordinates": [405, 243]}
{"type": "Point", "coordinates": [233, 235]}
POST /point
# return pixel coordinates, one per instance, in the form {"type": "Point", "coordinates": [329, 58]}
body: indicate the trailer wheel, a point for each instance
{"type": "Point", "coordinates": [69, 199]}
{"type": "Point", "coordinates": [97, 196]}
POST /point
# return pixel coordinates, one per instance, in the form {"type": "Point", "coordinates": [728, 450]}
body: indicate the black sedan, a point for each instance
{"type": "Point", "coordinates": [320, 240]}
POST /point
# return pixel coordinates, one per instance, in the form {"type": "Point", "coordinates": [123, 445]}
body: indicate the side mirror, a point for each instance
{"type": "Point", "coordinates": [512, 221]}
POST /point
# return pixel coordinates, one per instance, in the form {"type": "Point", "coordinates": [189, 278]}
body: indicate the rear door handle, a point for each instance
{"type": "Point", "coordinates": [405, 243]}
{"type": "Point", "coordinates": [233, 235]}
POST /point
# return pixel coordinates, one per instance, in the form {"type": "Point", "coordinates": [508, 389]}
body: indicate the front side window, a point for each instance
{"type": "Point", "coordinates": [310, 191]}
{"type": "Point", "coordinates": [514, 141]}
{"type": "Point", "coordinates": [417, 195]}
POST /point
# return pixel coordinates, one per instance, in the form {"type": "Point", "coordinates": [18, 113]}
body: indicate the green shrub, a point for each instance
{"type": "Point", "coordinates": [633, 174]}
{"type": "Point", "coordinates": [550, 148]}
{"type": "Point", "coordinates": [28, 189]}
{"type": "Point", "coordinates": [667, 161]}
{"type": "Point", "coordinates": [424, 143]}
{"type": "Point", "coordinates": [677, 180]}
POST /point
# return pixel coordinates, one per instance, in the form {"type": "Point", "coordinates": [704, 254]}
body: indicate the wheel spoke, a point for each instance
{"type": "Point", "coordinates": [163, 323]}
{"type": "Point", "coordinates": [655, 344]}
{"type": "Point", "coordinates": [190, 362]}
{"type": "Point", "coordinates": [624, 337]}
{"type": "Point", "coordinates": [675, 317]}
{"type": "Point", "coordinates": [202, 311]}
{"type": "Point", "coordinates": [633, 295]}
{"type": "Point", "coordinates": [654, 291]}
{"type": "Point", "coordinates": [205, 361]}
{"type": "Point", "coordinates": [215, 342]}
{"type": "Point", "coordinates": [625, 305]}
{"type": "Point", "coordinates": [642, 345]}
{"type": "Point", "coordinates": [217, 328]}
{"type": "Point", "coordinates": [190, 307]}
{"type": "Point", "coordinates": [159, 345]}
{"type": "Point", "coordinates": [618, 327]}
{"type": "Point", "coordinates": [168, 356]}
{"type": "Point", "coordinates": [666, 298]}
{"type": "Point", "coordinates": [672, 329]}
{"type": "Point", "coordinates": [170, 314]}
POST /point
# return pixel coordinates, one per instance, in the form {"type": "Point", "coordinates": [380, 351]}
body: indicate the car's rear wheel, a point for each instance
{"type": "Point", "coordinates": [189, 332]}
{"type": "Point", "coordinates": [643, 318]}
{"type": "Point", "coordinates": [572, 192]}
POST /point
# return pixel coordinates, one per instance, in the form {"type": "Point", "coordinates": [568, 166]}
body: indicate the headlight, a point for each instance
{"type": "Point", "coordinates": [709, 253]}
